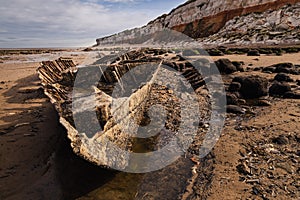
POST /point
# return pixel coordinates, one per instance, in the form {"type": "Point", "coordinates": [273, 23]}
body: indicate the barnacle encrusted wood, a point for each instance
{"type": "Point", "coordinates": [93, 144]}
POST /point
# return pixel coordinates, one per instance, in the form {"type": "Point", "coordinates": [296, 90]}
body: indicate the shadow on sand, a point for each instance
{"type": "Point", "coordinates": [33, 125]}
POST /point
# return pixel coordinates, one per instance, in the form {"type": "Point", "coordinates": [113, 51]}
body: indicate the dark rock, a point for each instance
{"type": "Point", "coordinates": [239, 65]}
{"type": "Point", "coordinates": [232, 99]}
{"type": "Point", "coordinates": [215, 52]}
{"type": "Point", "coordinates": [225, 66]}
{"type": "Point", "coordinates": [282, 77]}
{"type": "Point", "coordinates": [279, 89]}
{"type": "Point", "coordinates": [281, 140]}
{"type": "Point", "coordinates": [263, 102]}
{"type": "Point", "coordinates": [253, 53]}
{"type": "Point", "coordinates": [291, 95]}
{"type": "Point", "coordinates": [252, 86]}
{"type": "Point", "coordinates": [234, 87]}
{"type": "Point", "coordinates": [257, 69]}
{"type": "Point", "coordinates": [271, 69]}
{"type": "Point", "coordinates": [88, 49]}
{"type": "Point", "coordinates": [298, 82]}
{"type": "Point", "coordinates": [284, 67]}
{"type": "Point", "coordinates": [243, 169]}
{"type": "Point", "coordinates": [291, 50]}
{"type": "Point", "coordinates": [235, 109]}
{"type": "Point", "coordinates": [265, 51]}
{"type": "Point", "coordinates": [180, 58]}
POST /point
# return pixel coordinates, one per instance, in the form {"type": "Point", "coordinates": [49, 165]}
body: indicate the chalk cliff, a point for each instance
{"type": "Point", "coordinates": [196, 19]}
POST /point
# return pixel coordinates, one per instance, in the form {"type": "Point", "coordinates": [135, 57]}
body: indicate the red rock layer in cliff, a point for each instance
{"type": "Point", "coordinates": [212, 24]}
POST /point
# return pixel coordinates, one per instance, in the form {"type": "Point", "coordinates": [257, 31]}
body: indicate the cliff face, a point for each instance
{"type": "Point", "coordinates": [280, 26]}
{"type": "Point", "coordinates": [196, 19]}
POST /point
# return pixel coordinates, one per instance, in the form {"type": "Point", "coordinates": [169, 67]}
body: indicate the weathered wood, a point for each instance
{"type": "Point", "coordinates": [58, 79]}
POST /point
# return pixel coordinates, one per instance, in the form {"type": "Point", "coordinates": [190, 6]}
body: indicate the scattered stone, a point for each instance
{"type": "Point", "coordinates": [253, 53]}
{"type": "Point", "coordinates": [242, 101]}
{"type": "Point", "coordinates": [263, 102]}
{"type": "Point", "coordinates": [225, 66]}
{"type": "Point", "coordinates": [285, 166]}
{"type": "Point", "coordinates": [281, 140]}
{"type": "Point", "coordinates": [235, 109]}
{"type": "Point", "coordinates": [282, 77]}
{"type": "Point", "coordinates": [232, 99]}
{"type": "Point", "coordinates": [252, 86]}
{"type": "Point", "coordinates": [269, 148]}
{"type": "Point", "coordinates": [279, 89]}
{"type": "Point", "coordinates": [298, 82]}
{"type": "Point", "coordinates": [243, 169]}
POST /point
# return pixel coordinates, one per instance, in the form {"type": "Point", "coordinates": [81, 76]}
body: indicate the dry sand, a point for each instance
{"type": "Point", "coordinates": [36, 161]}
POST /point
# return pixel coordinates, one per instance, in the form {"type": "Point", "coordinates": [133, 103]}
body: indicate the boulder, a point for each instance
{"type": "Point", "coordinates": [252, 86]}
{"type": "Point", "coordinates": [225, 66]}
{"type": "Point", "coordinates": [279, 88]}
{"type": "Point", "coordinates": [287, 68]}
{"type": "Point", "coordinates": [254, 52]}
{"type": "Point", "coordinates": [282, 77]}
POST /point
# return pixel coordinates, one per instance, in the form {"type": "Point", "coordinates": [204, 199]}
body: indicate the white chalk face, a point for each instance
{"type": "Point", "coordinates": [151, 114]}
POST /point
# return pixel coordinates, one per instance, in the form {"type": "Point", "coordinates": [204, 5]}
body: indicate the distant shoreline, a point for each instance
{"type": "Point", "coordinates": [41, 48]}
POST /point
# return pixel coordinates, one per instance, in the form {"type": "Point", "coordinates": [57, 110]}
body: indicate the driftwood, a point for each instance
{"type": "Point", "coordinates": [104, 140]}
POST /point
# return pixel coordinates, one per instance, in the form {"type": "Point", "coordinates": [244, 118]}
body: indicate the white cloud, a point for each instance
{"type": "Point", "coordinates": [65, 19]}
{"type": "Point", "coordinates": [119, 1]}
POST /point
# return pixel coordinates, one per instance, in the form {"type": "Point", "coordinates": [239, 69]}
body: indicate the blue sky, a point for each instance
{"type": "Point", "coordinates": [67, 23]}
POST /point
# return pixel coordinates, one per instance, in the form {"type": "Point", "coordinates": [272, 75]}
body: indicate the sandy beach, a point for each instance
{"type": "Point", "coordinates": [36, 161]}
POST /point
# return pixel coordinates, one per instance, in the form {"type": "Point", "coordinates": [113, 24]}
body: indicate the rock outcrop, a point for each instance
{"type": "Point", "coordinates": [202, 18]}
